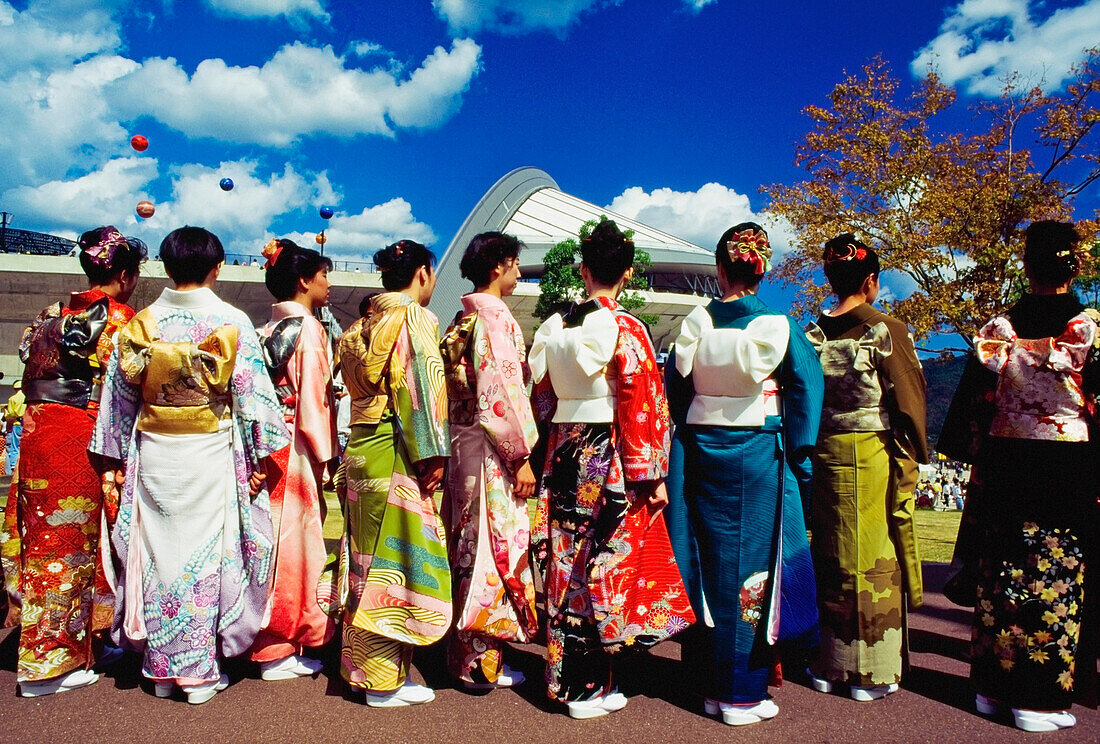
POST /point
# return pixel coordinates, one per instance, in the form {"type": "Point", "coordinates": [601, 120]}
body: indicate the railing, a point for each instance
{"type": "Point", "coordinates": [248, 259]}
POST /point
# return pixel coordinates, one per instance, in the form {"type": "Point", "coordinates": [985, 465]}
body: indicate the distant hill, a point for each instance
{"type": "Point", "coordinates": [942, 374]}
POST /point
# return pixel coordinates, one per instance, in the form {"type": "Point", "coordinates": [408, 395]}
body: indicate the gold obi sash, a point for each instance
{"type": "Point", "coordinates": [184, 386]}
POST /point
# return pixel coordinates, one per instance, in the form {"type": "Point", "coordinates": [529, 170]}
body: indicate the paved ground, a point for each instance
{"type": "Point", "coordinates": [933, 706]}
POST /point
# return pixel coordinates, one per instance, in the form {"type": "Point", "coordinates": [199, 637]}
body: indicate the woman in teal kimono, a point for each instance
{"type": "Point", "coordinates": [745, 390]}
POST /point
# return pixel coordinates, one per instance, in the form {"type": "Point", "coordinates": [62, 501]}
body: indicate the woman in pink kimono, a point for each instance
{"type": "Point", "coordinates": [301, 608]}
{"type": "Point", "coordinates": [489, 479]}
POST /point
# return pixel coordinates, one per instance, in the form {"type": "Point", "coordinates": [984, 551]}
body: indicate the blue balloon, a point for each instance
{"type": "Point", "coordinates": [226, 184]}
{"type": "Point", "coordinates": [326, 213]}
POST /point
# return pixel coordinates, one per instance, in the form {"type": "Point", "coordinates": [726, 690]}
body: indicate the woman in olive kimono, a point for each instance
{"type": "Point", "coordinates": [865, 472]}
{"type": "Point", "coordinates": [610, 578]}
{"type": "Point", "coordinates": [296, 349]}
{"type": "Point", "coordinates": [189, 414]}
{"type": "Point", "coordinates": [1024, 413]}
{"type": "Point", "coordinates": [489, 478]}
{"type": "Point", "coordinates": [56, 517]}
{"type": "Point", "coordinates": [399, 593]}
{"type": "Point", "coordinates": [744, 389]}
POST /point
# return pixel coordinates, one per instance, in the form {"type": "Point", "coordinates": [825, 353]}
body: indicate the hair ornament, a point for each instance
{"type": "Point", "coordinates": [102, 253]}
{"type": "Point", "coordinates": [846, 252]}
{"type": "Point", "coordinates": [753, 248]}
{"type": "Point", "coordinates": [271, 252]}
{"type": "Point", "coordinates": [398, 248]}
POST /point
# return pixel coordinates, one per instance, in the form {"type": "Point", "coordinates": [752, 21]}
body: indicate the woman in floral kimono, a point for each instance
{"type": "Point", "coordinates": [865, 473]}
{"type": "Point", "coordinates": [189, 415]}
{"type": "Point", "coordinates": [610, 579]}
{"type": "Point", "coordinates": [399, 593]}
{"type": "Point", "coordinates": [489, 480]}
{"type": "Point", "coordinates": [744, 389]}
{"type": "Point", "coordinates": [295, 348]}
{"type": "Point", "coordinates": [1033, 649]}
{"type": "Point", "coordinates": [51, 540]}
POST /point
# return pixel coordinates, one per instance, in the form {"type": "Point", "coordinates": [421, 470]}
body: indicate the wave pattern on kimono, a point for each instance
{"type": "Point", "coordinates": [50, 544]}
{"type": "Point", "coordinates": [493, 431]}
{"type": "Point", "coordinates": [610, 577]}
{"type": "Point", "coordinates": [745, 391]}
{"type": "Point", "coordinates": [304, 602]}
{"type": "Point", "coordinates": [399, 580]}
{"type": "Point", "coordinates": [864, 546]}
{"type": "Point", "coordinates": [188, 385]}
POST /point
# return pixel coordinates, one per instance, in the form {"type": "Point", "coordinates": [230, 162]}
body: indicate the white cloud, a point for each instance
{"type": "Point", "coordinates": [300, 91]}
{"type": "Point", "coordinates": [296, 11]}
{"type": "Point", "coordinates": [983, 41]}
{"type": "Point", "coordinates": [514, 16]}
{"type": "Point", "coordinates": [48, 34]}
{"type": "Point", "coordinates": [357, 237]}
{"type": "Point", "coordinates": [107, 195]}
{"type": "Point", "coordinates": [697, 5]}
{"type": "Point", "coordinates": [697, 216]}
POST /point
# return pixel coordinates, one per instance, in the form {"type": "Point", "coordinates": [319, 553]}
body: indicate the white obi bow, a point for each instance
{"type": "Point", "coordinates": [730, 368]}
{"type": "Point", "coordinates": [575, 358]}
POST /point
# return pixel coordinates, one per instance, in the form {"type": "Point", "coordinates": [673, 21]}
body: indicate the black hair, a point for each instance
{"type": "Point", "coordinates": [1050, 252]}
{"type": "Point", "coordinates": [484, 253]}
{"type": "Point", "coordinates": [127, 257]}
{"type": "Point", "coordinates": [737, 271]}
{"type": "Point", "coordinates": [607, 253]}
{"type": "Point", "coordinates": [294, 263]}
{"type": "Point", "coordinates": [364, 304]}
{"type": "Point", "coordinates": [399, 262]}
{"type": "Point", "coordinates": [190, 253]}
{"type": "Point", "coordinates": [847, 263]}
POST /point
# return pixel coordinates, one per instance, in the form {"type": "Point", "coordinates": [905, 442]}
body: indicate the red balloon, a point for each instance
{"type": "Point", "coordinates": [139, 143]}
{"type": "Point", "coordinates": [145, 209]}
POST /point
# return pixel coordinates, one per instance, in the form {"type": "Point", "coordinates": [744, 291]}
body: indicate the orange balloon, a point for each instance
{"type": "Point", "coordinates": [145, 209]}
{"type": "Point", "coordinates": [321, 239]}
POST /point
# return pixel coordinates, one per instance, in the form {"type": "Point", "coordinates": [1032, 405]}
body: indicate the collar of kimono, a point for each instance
{"type": "Point", "coordinates": [480, 300]}
{"type": "Point", "coordinates": [288, 309]}
{"type": "Point", "coordinates": [80, 300]}
{"type": "Point", "coordinates": [739, 308]}
{"type": "Point", "coordinates": [188, 299]}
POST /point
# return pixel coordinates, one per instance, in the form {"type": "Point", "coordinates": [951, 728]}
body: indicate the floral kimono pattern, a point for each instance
{"type": "Point", "coordinates": [50, 544]}
{"type": "Point", "coordinates": [303, 604]}
{"type": "Point", "coordinates": [610, 577]}
{"type": "Point", "coordinates": [493, 432]}
{"type": "Point", "coordinates": [188, 385]}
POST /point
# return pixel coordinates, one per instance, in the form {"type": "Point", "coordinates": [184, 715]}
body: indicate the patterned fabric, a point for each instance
{"type": "Point", "coordinates": [724, 479]}
{"type": "Point", "coordinates": [50, 545]}
{"type": "Point", "coordinates": [181, 601]}
{"type": "Point", "coordinates": [610, 578]}
{"type": "Point", "coordinates": [1039, 390]}
{"type": "Point", "coordinates": [855, 393]}
{"type": "Point", "coordinates": [304, 603]}
{"type": "Point", "coordinates": [399, 581]}
{"type": "Point", "coordinates": [493, 431]}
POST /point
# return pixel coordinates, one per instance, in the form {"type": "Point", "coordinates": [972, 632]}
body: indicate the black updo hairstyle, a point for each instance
{"type": "Point", "coordinates": [1050, 252]}
{"type": "Point", "coordinates": [847, 263]}
{"type": "Point", "coordinates": [738, 271]}
{"type": "Point", "coordinates": [398, 263]}
{"type": "Point", "coordinates": [293, 263]}
{"type": "Point", "coordinates": [607, 253]}
{"type": "Point", "coordinates": [127, 257]}
{"type": "Point", "coordinates": [190, 253]}
{"type": "Point", "coordinates": [484, 253]}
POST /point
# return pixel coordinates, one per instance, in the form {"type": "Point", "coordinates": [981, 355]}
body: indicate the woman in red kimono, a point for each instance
{"type": "Point", "coordinates": [50, 544]}
{"type": "Point", "coordinates": [302, 607]}
{"type": "Point", "coordinates": [610, 579]}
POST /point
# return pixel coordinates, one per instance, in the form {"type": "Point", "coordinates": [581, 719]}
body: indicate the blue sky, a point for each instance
{"type": "Point", "coordinates": [401, 114]}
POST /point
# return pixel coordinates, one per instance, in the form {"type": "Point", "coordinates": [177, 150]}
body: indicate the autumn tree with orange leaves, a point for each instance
{"type": "Point", "coordinates": [947, 209]}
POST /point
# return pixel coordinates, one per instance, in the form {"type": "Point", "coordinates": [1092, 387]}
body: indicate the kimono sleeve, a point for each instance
{"type": "Point", "coordinates": [256, 408]}
{"type": "Point", "coordinates": [504, 411]}
{"type": "Point", "coordinates": [642, 415]}
{"type": "Point", "coordinates": [120, 401]}
{"type": "Point", "coordinates": [803, 386]}
{"type": "Point", "coordinates": [418, 388]}
{"type": "Point", "coordinates": [314, 418]}
{"type": "Point", "coordinates": [679, 389]}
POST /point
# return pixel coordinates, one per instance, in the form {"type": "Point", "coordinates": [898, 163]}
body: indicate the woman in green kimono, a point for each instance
{"type": "Point", "coordinates": [865, 471]}
{"type": "Point", "coordinates": [399, 580]}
